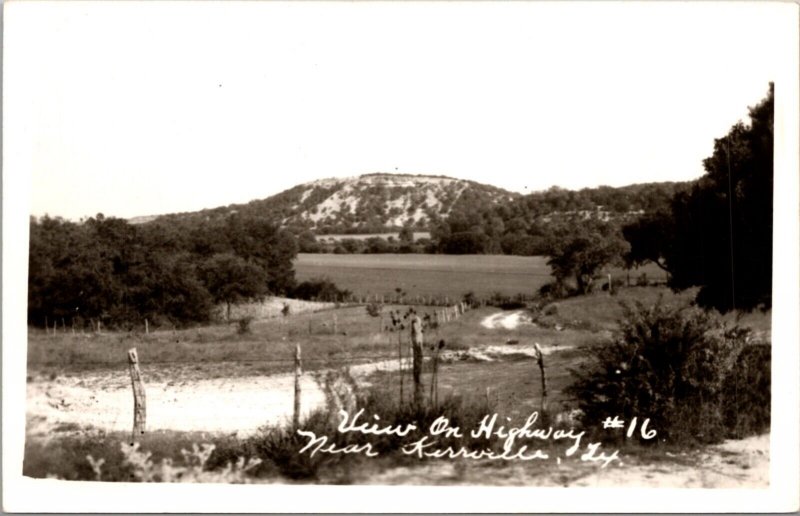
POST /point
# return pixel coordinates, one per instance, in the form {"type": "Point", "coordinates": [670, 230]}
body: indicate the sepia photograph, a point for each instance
{"type": "Point", "coordinates": [373, 256]}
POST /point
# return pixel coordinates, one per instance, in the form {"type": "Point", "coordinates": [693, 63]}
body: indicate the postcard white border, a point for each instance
{"type": "Point", "coordinates": [24, 495]}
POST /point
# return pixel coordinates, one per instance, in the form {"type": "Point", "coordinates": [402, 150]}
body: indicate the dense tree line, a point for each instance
{"type": "Point", "coordinates": [718, 234]}
{"type": "Point", "coordinates": [105, 269]}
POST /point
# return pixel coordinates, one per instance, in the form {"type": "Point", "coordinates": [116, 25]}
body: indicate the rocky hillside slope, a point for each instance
{"type": "Point", "coordinates": [370, 203]}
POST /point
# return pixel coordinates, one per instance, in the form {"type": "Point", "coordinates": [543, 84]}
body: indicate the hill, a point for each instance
{"type": "Point", "coordinates": [370, 203]}
{"type": "Point", "coordinates": [385, 203]}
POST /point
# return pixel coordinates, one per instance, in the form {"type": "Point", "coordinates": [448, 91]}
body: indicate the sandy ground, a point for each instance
{"type": "Point", "coordinates": [271, 307]}
{"type": "Point", "coordinates": [742, 464]}
{"type": "Point", "coordinates": [241, 405]}
{"type": "Point", "coordinates": [506, 320]}
{"type": "Point", "coordinates": [733, 464]}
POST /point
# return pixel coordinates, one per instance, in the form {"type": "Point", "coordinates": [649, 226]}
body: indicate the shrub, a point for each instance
{"type": "Point", "coordinates": [470, 299]}
{"type": "Point", "coordinates": [747, 392]}
{"type": "Point", "coordinates": [374, 309]}
{"type": "Point", "coordinates": [320, 289]}
{"type": "Point", "coordinates": [553, 290]}
{"type": "Point", "coordinates": [669, 365]}
{"type": "Point", "coordinates": [243, 325]}
{"type": "Point", "coordinates": [507, 302]}
{"type": "Point", "coordinates": [279, 448]}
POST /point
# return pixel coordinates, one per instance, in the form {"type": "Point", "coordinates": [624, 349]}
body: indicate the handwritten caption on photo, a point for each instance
{"type": "Point", "coordinates": [517, 441]}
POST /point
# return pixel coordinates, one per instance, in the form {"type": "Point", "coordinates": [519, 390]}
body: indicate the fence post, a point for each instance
{"type": "Point", "coordinates": [400, 362]}
{"type": "Point", "coordinates": [146, 327]}
{"type": "Point", "coordinates": [139, 408]}
{"type": "Point", "coordinates": [416, 344]}
{"type": "Point", "coordinates": [298, 371]}
{"type": "Point", "coordinates": [540, 361]}
{"type": "Point", "coordinates": [435, 376]}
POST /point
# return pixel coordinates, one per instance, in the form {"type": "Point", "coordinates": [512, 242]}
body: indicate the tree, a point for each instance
{"type": "Point", "coordinates": [406, 235]}
{"type": "Point", "coordinates": [649, 237]}
{"type": "Point", "coordinates": [231, 279]}
{"type": "Point", "coordinates": [579, 248]}
{"type": "Point", "coordinates": [465, 242]}
{"type": "Point", "coordinates": [718, 234]}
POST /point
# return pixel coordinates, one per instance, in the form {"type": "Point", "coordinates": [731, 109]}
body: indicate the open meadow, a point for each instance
{"type": "Point", "coordinates": [440, 274]}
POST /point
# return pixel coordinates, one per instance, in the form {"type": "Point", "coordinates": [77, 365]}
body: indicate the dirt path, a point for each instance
{"type": "Point", "coordinates": [733, 464]}
{"type": "Point", "coordinates": [184, 402]}
{"type": "Point", "coordinates": [506, 320]}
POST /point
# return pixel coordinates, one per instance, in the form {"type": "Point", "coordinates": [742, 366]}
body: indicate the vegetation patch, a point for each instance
{"type": "Point", "coordinates": [682, 369]}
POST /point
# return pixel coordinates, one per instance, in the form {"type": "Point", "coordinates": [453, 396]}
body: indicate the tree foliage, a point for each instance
{"type": "Point", "coordinates": [231, 279]}
{"type": "Point", "coordinates": [580, 248]}
{"type": "Point", "coordinates": [171, 270]}
{"type": "Point", "coordinates": [717, 234]}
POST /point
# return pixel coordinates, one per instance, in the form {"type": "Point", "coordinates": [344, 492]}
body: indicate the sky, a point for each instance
{"type": "Point", "coordinates": [133, 109]}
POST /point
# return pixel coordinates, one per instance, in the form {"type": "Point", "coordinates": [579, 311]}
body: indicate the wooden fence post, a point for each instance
{"type": "Point", "coordinates": [298, 371]}
{"type": "Point", "coordinates": [46, 325]}
{"type": "Point", "coordinates": [400, 362]}
{"type": "Point", "coordinates": [146, 327]}
{"type": "Point", "coordinates": [417, 343]}
{"type": "Point", "coordinates": [435, 376]}
{"type": "Point", "coordinates": [540, 361]}
{"type": "Point", "coordinates": [139, 406]}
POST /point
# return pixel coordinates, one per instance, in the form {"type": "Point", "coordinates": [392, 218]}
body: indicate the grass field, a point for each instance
{"type": "Point", "coordinates": [437, 274]}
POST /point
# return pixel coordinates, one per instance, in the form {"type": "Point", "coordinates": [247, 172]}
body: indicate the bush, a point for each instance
{"type": "Point", "coordinates": [470, 299]}
{"type": "Point", "coordinates": [320, 289]}
{"type": "Point", "coordinates": [243, 325]}
{"type": "Point", "coordinates": [553, 290]}
{"type": "Point", "coordinates": [673, 366]}
{"type": "Point", "coordinates": [374, 309]}
{"type": "Point", "coordinates": [507, 302]}
{"type": "Point", "coordinates": [747, 392]}
{"type": "Point", "coordinates": [279, 448]}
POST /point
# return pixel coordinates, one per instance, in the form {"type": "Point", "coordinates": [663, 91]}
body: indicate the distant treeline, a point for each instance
{"type": "Point", "coordinates": [107, 270]}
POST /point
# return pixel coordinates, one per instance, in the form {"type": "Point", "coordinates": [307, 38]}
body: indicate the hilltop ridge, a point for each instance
{"type": "Point", "coordinates": [367, 203]}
